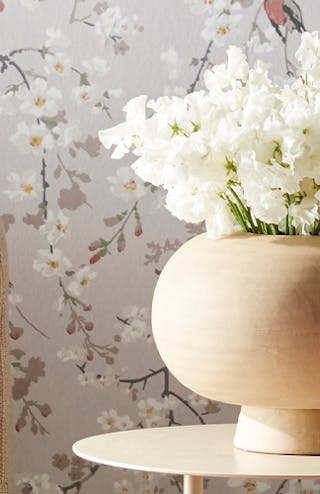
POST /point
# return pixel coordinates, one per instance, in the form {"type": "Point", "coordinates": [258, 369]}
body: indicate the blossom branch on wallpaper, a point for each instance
{"type": "Point", "coordinates": [166, 393]}
{"type": "Point", "coordinates": [78, 484]}
{"type": "Point", "coordinates": [6, 62]}
{"type": "Point", "coordinates": [24, 375]}
{"type": "Point", "coordinates": [78, 322]}
{"type": "Point", "coordinates": [30, 323]}
{"type": "Point", "coordinates": [204, 61]}
{"type": "Point", "coordinates": [101, 245]}
{"type": "Point", "coordinates": [73, 14]}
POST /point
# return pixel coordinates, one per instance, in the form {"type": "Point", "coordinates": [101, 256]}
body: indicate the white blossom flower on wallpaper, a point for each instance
{"type": "Point", "coordinates": [8, 104]}
{"type": "Point", "coordinates": [244, 486]}
{"type": "Point", "coordinates": [23, 186]}
{"type": "Point", "coordinates": [111, 419]}
{"type": "Point", "coordinates": [39, 100]}
{"type": "Point", "coordinates": [151, 412]}
{"type": "Point", "coordinates": [126, 185]}
{"type": "Point", "coordinates": [224, 24]}
{"type": "Point", "coordinates": [32, 139]}
{"type": "Point", "coordinates": [124, 487]}
{"type": "Point", "coordinates": [66, 133]}
{"type": "Point", "coordinates": [133, 324]}
{"type": "Point", "coordinates": [303, 486]}
{"type": "Point", "coordinates": [51, 263]}
{"type": "Point", "coordinates": [174, 63]}
{"type": "Point", "coordinates": [111, 24]}
{"type": "Point", "coordinates": [196, 400]}
{"type": "Point", "coordinates": [85, 94]}
{"type": "Point", "coordinates": [56, 227]}
{"type": "Point", "coordinates": [97, 67]}
{"type": "Point", "coordinates": [262, 42]}
{"type": "Point", "coordinates": [38, 483]}
{"type": "Point", "coordinates": [56, 38]}
{"type": "Point", "coordinates": [97, 380]}
{"type": "Point", "coordinates": [72, 352]}
{"type": "Point", "coordinates": [81, 280]}
{"type": "Point", "coordinates": [57, 63]}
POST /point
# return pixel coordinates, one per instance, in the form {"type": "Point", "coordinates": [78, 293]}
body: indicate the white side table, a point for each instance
{"type": "Point", "coordinates": [194, 452]}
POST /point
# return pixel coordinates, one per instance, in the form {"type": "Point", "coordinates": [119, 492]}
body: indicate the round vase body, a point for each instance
{"type": "Point", "coordinates": [237, 319]}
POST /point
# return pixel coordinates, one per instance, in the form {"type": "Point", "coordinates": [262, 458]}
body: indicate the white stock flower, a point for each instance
{"type": "Point", "coordinates": [24, 186]}
{"type": "Point", "coordinates": [123, 135]}
{"type": "Point", "coordinates": [34, 139]}
{"type": "Point", "coordinates": [221, 222]}
{"type": "Point", "coordinates": [51, 263]}
{"type": "Point", "coordinates": [39, 100]}
{"type": "Point", "coordinates": [221, 157]}
{"type": "Point", "coordinates": [304, 215]}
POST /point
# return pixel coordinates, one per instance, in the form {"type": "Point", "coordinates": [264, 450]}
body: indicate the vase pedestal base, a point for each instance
{"type": "Point", "coordinates": [278, 430]}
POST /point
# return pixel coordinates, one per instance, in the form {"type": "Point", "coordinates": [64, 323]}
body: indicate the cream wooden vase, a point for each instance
{"type": "Point", "coordinates": [237, 320]}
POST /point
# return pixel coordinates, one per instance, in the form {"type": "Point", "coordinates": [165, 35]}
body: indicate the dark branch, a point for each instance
{"type": "Point", "coordinates": [78, 483]}
{"type": "Point", "coordinates": [186, 403]}
{"type": "Point", "coordinates": [204, 59]}
{"type": "Point", "coordinates": [143, 379]}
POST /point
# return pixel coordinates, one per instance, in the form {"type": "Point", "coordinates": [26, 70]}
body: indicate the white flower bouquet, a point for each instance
{"type": "Point", "coordinates": [242, 154]}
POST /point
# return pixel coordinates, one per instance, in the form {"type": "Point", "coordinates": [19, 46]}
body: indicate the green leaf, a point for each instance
{"type": "Point", "coordinates": [194, 61]}
{"type": "Point", "coordinates": [230, 166]}
{"type": "Point", "coordinates": [69, 273]}
{"type": "Point", "coordinates": [84, 79]}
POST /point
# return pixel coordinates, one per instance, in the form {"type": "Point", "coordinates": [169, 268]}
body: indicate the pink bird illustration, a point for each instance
{"type": "Point", "coordinates": [285, 14]}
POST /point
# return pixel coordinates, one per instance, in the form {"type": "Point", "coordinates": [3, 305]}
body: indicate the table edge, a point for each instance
{"type": "Point", "coordinates": [168, 471]}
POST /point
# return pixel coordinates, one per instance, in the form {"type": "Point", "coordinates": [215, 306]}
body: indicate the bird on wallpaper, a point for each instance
{"type": "Point", "coordinates": [286, 13]}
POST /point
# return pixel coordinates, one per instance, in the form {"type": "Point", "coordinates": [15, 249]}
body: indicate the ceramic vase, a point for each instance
{"type": "Point", "coordinates": [237, 319]}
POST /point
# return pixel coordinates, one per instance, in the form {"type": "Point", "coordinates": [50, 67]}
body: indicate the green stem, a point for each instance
{"type": "Point", "coordinates": [237, 214]}
{"type": "Point", "coordinates": [316, 229]}
{"type": "Point", "coordinates": [245, 210]}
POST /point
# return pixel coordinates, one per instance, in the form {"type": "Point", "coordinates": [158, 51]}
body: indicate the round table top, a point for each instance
{"type": "Point", "coordinates": [200, 450]}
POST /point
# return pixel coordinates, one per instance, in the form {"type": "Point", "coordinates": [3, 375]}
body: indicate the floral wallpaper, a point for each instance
{"type": "Point", "coordinates": [87, 239]}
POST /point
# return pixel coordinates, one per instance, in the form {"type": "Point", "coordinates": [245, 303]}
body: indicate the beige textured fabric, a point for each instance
{"type": "Point", "coordinates": [4, 371]}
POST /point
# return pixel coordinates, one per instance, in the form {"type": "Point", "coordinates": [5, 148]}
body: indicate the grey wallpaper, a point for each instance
{"type": "Point", "coordinates": [87, 239]}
